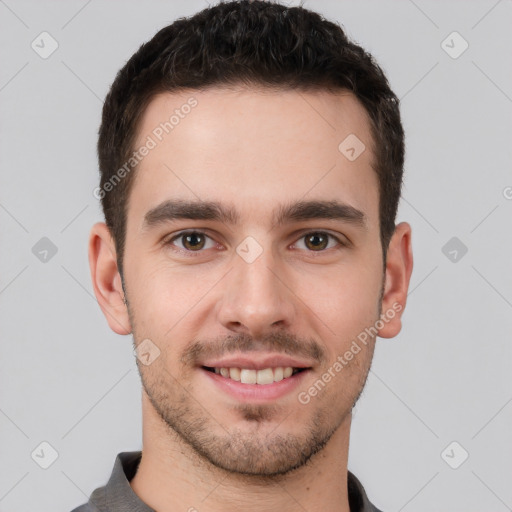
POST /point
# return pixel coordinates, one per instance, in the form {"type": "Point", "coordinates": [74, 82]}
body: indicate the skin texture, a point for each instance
{"type": "Point", "coordinates": [252, 150]}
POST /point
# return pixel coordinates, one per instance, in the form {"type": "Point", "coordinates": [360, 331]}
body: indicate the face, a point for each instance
{"type": "Point", "coordinates": [253, 245]}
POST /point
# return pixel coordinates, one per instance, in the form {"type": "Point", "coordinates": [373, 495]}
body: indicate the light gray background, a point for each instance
{"type": "Point", "coordinates": [66, 379]}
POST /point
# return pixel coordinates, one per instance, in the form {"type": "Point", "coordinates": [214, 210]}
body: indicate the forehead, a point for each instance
{"type": "Point", "coordinates": [256, 146]}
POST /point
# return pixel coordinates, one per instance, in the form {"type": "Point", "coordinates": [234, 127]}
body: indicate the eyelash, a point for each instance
{"type": "Point", "coordinates": [169, 241]}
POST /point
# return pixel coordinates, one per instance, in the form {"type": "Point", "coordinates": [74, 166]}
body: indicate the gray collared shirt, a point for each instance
{"type": "Point", "coordinates": [118, 496]}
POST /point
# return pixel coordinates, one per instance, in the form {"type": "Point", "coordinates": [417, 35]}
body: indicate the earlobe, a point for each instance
{"type": "Point", "coordinates": [106, 279]}
{"type": "Point", "coordinates": [399, 266]}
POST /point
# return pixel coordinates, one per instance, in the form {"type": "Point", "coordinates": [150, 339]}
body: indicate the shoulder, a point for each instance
{"type": "Point", "coordinates": [357, 497]}
{"type": "Point", "coordinates": [96, 503]}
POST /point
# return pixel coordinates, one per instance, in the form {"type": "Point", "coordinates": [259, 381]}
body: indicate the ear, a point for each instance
{"type": "Point", "coordinates": [106, 279]}
{"type": "Point", "coordinates": [398, 274]}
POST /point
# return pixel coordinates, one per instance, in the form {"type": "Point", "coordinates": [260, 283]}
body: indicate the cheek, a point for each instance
{"type": "Point", "coordinates": [343, 296]}
{"type": "Point", "coordinates": [164, 299]}
{"type": "Point", "coordinates": [347, 306]}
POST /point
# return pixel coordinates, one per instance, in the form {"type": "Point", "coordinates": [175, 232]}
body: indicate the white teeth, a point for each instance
{"type": "Point", "coordinates": [234, 373]}
{"type": "Point", "coordinates": [278, 374]}
{"type": "Point", "coordinates": [265, 376]}
{"type": "Point", "coordinates": [247, 376]}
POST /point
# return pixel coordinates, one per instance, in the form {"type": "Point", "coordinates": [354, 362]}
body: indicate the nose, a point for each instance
{"type": "Point", "coordinates": [257, 297]}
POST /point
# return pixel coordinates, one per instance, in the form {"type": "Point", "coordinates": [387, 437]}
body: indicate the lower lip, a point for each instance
{"type": "Point", "coordinates": [256, 392]}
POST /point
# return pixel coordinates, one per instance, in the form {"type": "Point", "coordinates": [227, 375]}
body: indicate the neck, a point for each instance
{"type": "Point", "coordinates": [172, 476]}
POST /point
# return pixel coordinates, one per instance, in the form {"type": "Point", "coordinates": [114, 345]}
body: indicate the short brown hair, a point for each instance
{"type": "Point", "coordinates": [254, 43]}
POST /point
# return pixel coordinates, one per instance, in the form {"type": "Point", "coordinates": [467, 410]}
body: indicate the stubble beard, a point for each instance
{"type": "Point", "coordinates": [247, 453]}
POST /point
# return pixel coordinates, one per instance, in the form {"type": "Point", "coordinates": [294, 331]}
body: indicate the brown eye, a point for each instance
{"type": "Point", "coordinates": [315, 241]}
{"type": "Point", "coordinates": [191, 241]}
{"type": "Point", "coordinates": [318, 241]}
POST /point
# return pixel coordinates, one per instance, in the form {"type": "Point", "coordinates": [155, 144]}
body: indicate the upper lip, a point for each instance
{"type": "Point", "coordinates": [256, 362]}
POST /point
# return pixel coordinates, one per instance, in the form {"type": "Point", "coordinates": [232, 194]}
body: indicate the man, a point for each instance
{"type": "Point", "coordinates": [251, 162]}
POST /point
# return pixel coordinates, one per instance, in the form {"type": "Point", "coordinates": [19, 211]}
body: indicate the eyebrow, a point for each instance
{"type": "Point", "coordinates": [177, 209]}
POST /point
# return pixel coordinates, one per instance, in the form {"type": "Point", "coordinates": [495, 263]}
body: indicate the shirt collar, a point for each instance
{"type": "Point", "coordinates": [120, 495]}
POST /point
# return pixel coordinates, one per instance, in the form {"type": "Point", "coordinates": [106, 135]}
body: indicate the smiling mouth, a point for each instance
{"type": "Point", "coordinates": [250, 376]}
